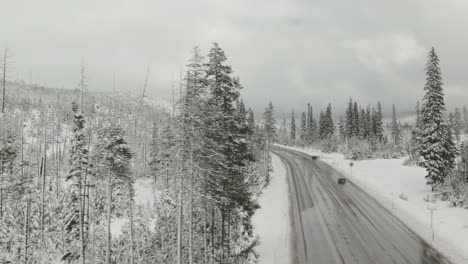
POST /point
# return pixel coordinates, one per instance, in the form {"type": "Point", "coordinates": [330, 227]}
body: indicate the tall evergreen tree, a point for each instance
{"type": "Point", "coordinates": [310, 125]}
{"type": "Point", "coordinates": [434, 139]}
{"type": "Point", "coordinates": [465, 120]}
{"type": "Point", "coordinates": [115, 155]}
{"type": "Point", "coordinates": [418, 114]}
{"type": "Point", "coordinates": [79, 162]}
{"type": "Point", "coordinates": [362, 124]}
{"type": "Point", "coordinates": [378, 123]}
{"type": "Point", "coordinates": [269, 123]}
{"type": "Point", "coordinates": [368, 128]}
{"type": "Point", "coordinates": [330, 123]}
{"type": "Point", "coordinates": [349, 119]}
{"type": "Point", "coordinates": [457, 128]}
{"type": "Point", "coordinates": [293, 127]}
{"type": "Point", "coordinates": [355, 120]}
{"type": "Point", "coordinates": [303, 132]}
{"type": "Point", "coordinates": [225, 128]}
{"type": "Point", "coordinates": [341, 128]}
{"type": "Point", "coordinates": [395, 128]}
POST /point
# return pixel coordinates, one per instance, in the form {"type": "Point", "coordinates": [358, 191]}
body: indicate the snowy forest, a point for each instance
{"type": "Point", "coordinates": [435, 138]}
{"type": "Point", "coordinates": [75, 162]}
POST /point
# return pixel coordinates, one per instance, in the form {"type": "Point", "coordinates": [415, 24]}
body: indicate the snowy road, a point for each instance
{"type": "Point", "coordinates": [342, 224]}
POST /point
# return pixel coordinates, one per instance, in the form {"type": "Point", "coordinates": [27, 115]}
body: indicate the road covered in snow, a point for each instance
{"type": "Point", "coordinates": [341, 223]}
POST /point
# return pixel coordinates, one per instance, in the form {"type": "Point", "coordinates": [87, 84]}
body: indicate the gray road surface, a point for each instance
{"type": "Point", "coordinates": [342, 224]}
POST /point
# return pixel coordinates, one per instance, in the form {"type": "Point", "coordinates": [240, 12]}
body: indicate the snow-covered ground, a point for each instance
{"type": "Point", "coordinates": [143, 196]}
{"type": "Point", "coordinates": [403, 190]}
{"type": "Point", "coordinates": [271, 221]}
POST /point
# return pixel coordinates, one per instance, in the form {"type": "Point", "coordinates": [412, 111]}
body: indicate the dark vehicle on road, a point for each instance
{"type": "Point", "coordinates": [341, 181]}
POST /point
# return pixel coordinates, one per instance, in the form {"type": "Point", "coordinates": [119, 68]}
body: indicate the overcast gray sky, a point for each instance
{"type": "Point", "coordinates": [288, 51]}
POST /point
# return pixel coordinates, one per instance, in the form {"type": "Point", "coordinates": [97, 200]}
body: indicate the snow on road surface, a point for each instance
{"type": "Point", "coordinates": [271, 221]}
{"type": "Point", "coordinates": [402, 190]}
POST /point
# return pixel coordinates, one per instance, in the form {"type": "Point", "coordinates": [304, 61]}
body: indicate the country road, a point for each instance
{"type": "Point", "coordinates": [342, 224]}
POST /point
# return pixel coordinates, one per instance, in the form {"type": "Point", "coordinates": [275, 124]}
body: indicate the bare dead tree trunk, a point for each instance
{"type": "Point", "coordinates": [212, 232]}
{"type": "Point", "coordinates": [132, 235]}
{"type": "Point", "coordinates": [43, 183]}
{"type": "Point", "coordinates": [82, 83]}
{"type": "Point", "coordinates": [81, 205]}
{"type": "Point", "coordinates": [223, 231]}
{"type": "Point", "coordinates": [191, 213]}
{"type": "Point", "coordinates": [26, 230]}
{"type": "Point", "coordinates": [4, 79]}
{"type": "Point", "coordinates": [205, 233]}
{"type": "Point", "coordinates": [109, 216]}
{"type": "Point", "coordinates": [179, 221]}
{"type": "Point", "coordinates": [93, 237]}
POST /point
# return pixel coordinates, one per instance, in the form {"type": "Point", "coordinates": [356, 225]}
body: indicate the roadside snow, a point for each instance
{"type": "Point", "coordinates": [271, 221]}
{"type": "Point", "coordinates": [390, 182]}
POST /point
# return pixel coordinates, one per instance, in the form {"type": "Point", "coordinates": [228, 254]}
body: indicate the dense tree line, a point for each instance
{"type": "Point", "coordinates": [436, 140]}
{"type": "Point", "coordinates": [71, 163]}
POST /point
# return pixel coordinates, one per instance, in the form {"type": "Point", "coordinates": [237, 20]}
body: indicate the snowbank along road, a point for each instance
{"type": "Point", "coordinates": [342, 224]}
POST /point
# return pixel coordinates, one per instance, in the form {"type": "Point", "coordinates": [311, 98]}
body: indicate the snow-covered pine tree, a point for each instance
{"type": "Point", "coordinates": [457, 128]}
{"type": "Point", "coordinates": [418, 115]}
{"type": "Point", "coordinates": [395, 128]}
{"type": "Point", "coordinates": [293, 128]}
{"type": "Point", "coordinates": [329, 126]}
{"type": "Point", "coordinates": [310, 125]}
{"type": "Point", "coordinates": [349, 119]}
{"type": "Point", "coordinates": [303, 132]}
{"type": "Point", "coordinates": [362, 124]}
{"type": "Point", "coordinates": [434, 146]}
{"type": "Point", "coordinates": [368, 128]}
{"type": "Point", "coordinates": [229, 187]}
{"type": "Point", "coordinates": [114, 157]}
{"type": "Point", "coordinates": [356, 120]}
{"type": "Point", "coordinates": [465, 120]}
{"type": "Point", "coordinates": [79, 164]}
{"type": "Point", "coordinates": [341, 128]}
{"type": "Point", "coordinates": [378, 122]}
{"type": "Point", "coordinates": [269, 123]}
{"type": "Point", "coordinates": [322, 125]}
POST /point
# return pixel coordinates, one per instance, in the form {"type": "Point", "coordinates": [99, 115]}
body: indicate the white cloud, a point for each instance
{"type": "Point", "coordinates": [383, 52]}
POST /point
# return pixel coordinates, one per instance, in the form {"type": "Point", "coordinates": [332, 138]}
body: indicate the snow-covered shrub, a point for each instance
{"type": "Point", "coordinates": [453, 190]}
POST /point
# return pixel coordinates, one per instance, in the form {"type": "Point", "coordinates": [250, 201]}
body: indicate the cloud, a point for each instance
{"type": "Point", "coordinates": [382, 53]}
{"type": "Point", "coordinates": [288, 51]}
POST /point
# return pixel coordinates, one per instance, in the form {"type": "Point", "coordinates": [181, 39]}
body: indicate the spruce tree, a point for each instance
{"type": "Point", "coordinates": [457, 128]}
{"type": "Point", "coordinates": [79, 163]}
{"type": "Point", "coordinates": [378, 122]}
{"type": "Point", "coordinates": [293, 128]}
{"type": "Point", "coordinates": [303, 132]}
{"type": "Point", "coordinates": [114, 154]}
{"type": "Point", "coordinates": [368, 128]}
{"type": "Point", "coordinates": [310, 125]}
{"type": "Point", "coordinates": [349, 120]}
{"type": "Point", "coordinates": [434, 140]}
{"type": "Point", "coordinates": [362, 124]}
{"type": "Point", "coordinates": [465, 120]}
{"type": "Point", "coordinates": [226, 129]}
{"type": "Point", "coordinates": [355, 120]}
{"type": "Point", "coordinates": [269, 123]}
{"type": "Point", "coordinates": [395, 128]}
{"type": "Point", "coordinates": [329, 129]}
{"type": "Point", "coordinates": [341, 128]}
{"type": "Point", "coordinates": [322, 125]}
